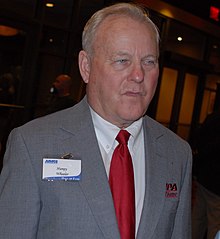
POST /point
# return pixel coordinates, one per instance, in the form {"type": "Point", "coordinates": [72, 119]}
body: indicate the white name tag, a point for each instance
{"type": "Point", "coordinates": [61, 169]}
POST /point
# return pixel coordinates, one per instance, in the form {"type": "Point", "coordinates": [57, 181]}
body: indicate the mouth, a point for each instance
{"type": "Point", "coordinates": [134, 93]}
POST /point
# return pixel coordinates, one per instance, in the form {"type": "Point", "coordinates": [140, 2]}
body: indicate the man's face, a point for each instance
{"type": "Point", "coordinates": [122, 73]}
{"type": "Point", "coordinates": [58, 83]}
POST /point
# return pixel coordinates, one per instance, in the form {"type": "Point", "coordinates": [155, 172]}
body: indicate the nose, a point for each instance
{"type": "Point", "coordinates": [137, 73]}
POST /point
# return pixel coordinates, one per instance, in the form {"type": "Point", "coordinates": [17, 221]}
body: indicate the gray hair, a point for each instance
{"type": "Point", "coordinates": [131, 10]}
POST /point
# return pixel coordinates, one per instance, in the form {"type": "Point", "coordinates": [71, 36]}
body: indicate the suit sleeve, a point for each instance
{"type": "Point", "coordinates": [19, 193]}
{"type": "Point", "coordinates": [182, 225]}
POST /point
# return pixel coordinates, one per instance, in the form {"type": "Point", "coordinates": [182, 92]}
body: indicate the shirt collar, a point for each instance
{"type": "Point", "coordinates": [107, 132]}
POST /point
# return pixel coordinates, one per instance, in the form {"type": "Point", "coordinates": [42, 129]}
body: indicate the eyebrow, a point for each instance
{"type": "Point", "coordinates": [120, 53]}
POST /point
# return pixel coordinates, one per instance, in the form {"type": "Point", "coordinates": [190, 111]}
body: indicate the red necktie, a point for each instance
{"type": "Point", "coordinates": [121, 179]}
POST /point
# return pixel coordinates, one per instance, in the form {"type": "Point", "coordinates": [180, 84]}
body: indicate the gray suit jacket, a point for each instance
{"type": "Point", "coordinates": [31, 208]}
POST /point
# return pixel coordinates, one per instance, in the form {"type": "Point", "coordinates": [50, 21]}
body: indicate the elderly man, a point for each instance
{"type": "Point", "coordinates": [101, 169]}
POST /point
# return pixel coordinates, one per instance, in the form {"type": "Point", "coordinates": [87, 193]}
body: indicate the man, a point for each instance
{"type": "Point", "coordinates": [206, 209]}
{"type": "Point", "coordinates": [60, 91]}
{"type": "Point", "coordinates": [119, 64]}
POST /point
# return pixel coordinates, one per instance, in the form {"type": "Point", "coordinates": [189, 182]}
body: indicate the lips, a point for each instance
{"type": "Point", "coordinates": [134, 93]}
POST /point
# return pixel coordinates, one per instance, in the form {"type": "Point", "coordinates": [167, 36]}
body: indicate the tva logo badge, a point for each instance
{"type": "Point", "coordinates": [171, 190]}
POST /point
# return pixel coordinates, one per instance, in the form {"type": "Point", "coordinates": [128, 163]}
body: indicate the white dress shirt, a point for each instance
{"type": "Point", "coordinates": [106, 134]}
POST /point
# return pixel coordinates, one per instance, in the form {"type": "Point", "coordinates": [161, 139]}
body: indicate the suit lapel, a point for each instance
{"type": "Point", "coordinates": [94, 181]}
{"type": "Point", "coordinates": [154, 183]}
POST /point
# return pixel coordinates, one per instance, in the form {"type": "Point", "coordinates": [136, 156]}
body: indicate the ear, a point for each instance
{"type": "Point", "coordinates": [84, 65]}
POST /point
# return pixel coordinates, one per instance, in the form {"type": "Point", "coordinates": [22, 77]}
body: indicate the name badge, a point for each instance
{"type": "Point", "coordinates": [61, 169]}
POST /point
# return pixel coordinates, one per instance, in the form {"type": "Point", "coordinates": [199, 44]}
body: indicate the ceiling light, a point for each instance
{"type": "Point", "coordinates": [179, 38]}
{"type": "Point", "coordinates": [49, 4]}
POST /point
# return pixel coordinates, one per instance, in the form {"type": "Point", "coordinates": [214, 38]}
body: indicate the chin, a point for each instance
{"type": "Point", "coordinates": [131, 117]}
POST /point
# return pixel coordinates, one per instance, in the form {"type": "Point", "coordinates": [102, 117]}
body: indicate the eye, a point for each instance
{"type": "Point", "coordinates": [121, 61]}
{"type": "Point", "coordinates": [151, 62]}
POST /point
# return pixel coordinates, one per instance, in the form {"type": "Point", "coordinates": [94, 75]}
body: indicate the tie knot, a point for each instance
{"type": "Point", "coordinates": [123, 136]}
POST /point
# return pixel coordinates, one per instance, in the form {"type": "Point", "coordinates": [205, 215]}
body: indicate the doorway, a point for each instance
{"type": "Point", "coordinates": [186, 96]}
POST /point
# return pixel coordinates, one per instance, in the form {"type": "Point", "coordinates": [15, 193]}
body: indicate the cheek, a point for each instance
{"type": "Point", "coordinates": [152, 83]}
{"type": "Point", "coordinates": [109, 91]}
{"type": "Point", "coordinates": [102, 88]}
{"type": "Point", "coordinates": [110, 83]}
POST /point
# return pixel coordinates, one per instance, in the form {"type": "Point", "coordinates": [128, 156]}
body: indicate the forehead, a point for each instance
{"type": "Point", "coordinates": [120, 22]}
{"type": "Point", "coordinates": [122, 30]}
{"type": "Point", "coordinates": [116, 25]}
